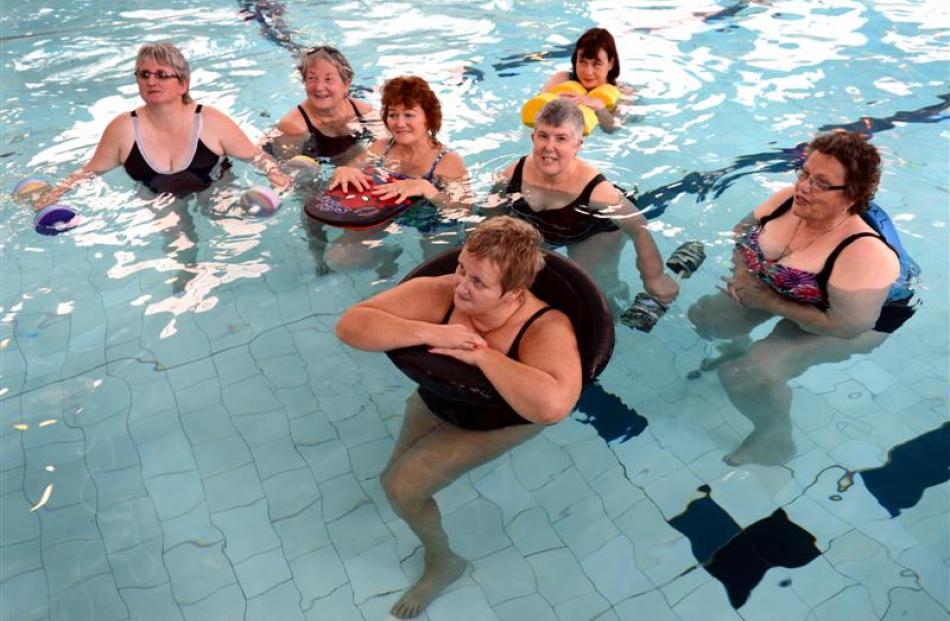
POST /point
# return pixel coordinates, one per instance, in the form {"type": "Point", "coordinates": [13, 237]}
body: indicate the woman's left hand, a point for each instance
{"type": "Point", "coordinates": [404, 189]}
{"type": "Point", "coordinates": [468, 356]}
{"type": "Point", "coordinates": [279, 180]}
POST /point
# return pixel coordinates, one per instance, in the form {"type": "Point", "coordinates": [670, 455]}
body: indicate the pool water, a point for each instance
{"type": "Point", "coordinates": [183, 437]}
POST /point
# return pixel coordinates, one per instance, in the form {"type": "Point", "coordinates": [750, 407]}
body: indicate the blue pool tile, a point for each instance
{"type": "Point", "coordinates": [503, 576]}
{"type": "Point", "coordinates": [126, 524]}
{"type": "Point", "coordinates": [662, 553]}
{"type": "Point", "coordinates": [501, 486]}
{"type": "Point", "coordinates": [250, 395]}
{"type": "Point", "coordinates": [284, 371]}
{"type": "Point", "coordinates": [71, 562]}
{"type": "Point", "coordinates": [276, 457]}
{"type": "Point", "coordinates": [175, 494]}
{"type": "Point", "coordinates": [852, 603]}
{"type": "Point", "coordinates": [531, 532]}
{"type": "Point", "coordinates": [303, 532]}
{"type": "Point", "coordinates": [318, 574]}
{"type": "Point", "coordinates": [368, 460]}
{"type": "Point", "coordinates": [139, 566]}
{"type": "Point", "coordinates": [262, 572]}
{"type": "Point", "coordinates": [650, 605]}
{"type": "Point", "coordinates": [563, 490]}
{"type": "Point", "coordinates": [616, 492]}
{"type": "Point", "coordinates": [234, 488]}
{"type": "Point", "coordinates": [120, 485]}
{"type": "Point", "coordinates": [532, 607]}
{"type": "Point", "coordinates": [375, 571]}
{"type": "Point", "coordinates": [169, 454]}
{"type": "Point", "coordinates": [361, 428]}
{"type": "Point", "coordinates": [774, 599]}
{"type": "Point", "coordinates": [225, 603]}
{"type": "Point", "coordinates": [475, 530]}
{"type": "Point", "coordinates": [210, 423]}
{"type": "Point", "coordinates": [200, 399]}
{"type": "Point", "coordinates": [247, 531]}
{"type": "Point", "coordinates": [538, 461]}
{"type": "Point", "coordinates": [585, 527]}
{"type": "Point", "coordinates": [341, 496]}
{"type": "Point", "coordinates": [590, 605]}
{"type": "Point", "coordinates": [462, 604]}
{"type": "Point", "coordinates": [613, 570]}
{"type": "Point", "coordinates": [560, 577]}
{"type": "Point", "coordinates": [817, 581]}
{"type": "Point", "coordinates": [95, 598]}
{"type": "Point", "coordinates": [193, 526]}
{"type": "Point", "coordinates": [197, 572]}
{"type": "Point", "coordinates": [191, 374]}
{"type": "Point", "coordinates": [357, 531]}
{"type": "Point", "coordinates": [220, 455]}
{"type": "Point", "coordinates": [327, 460]}
{"type": "Point", "coordinates": [917, 605]}
{"type": "Point", "coordinates": [280, 602]}
{"type": "Point", "coordinates": [19, 558]}
{"type": "Point", "coordinates": [151, 603]}
{"type": "Point", "coordinates": [290, 492]}
{"type": "Point", "coordinates": [338, 606]}
{"type": "Point", "coordinates": [706, 603]}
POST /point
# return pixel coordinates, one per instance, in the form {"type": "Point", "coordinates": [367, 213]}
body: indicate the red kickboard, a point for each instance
{"type": "Point", "coordinates": [356, 209]}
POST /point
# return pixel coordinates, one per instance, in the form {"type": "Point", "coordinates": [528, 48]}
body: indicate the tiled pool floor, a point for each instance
{"type": "Point", "coordinates": [219, 476]}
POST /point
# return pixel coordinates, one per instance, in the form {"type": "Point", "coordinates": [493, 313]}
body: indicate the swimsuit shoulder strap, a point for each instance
{"type": "Point", "coordinates": [513, 350]}
{"type": "Point", "coordinates": [514, 185]}
{"type": "Point", "coordinates": [825, 273]}
{"type": "Point", "coordinates": [780, 211]}
{"type": "Point", "coordinates": [448, 313]}
{"type": "Point", "coordinates": [306, 119]}
{"type": "Point", "coordinates": [435, 163]}
{"type": "Point", "coordinates": [356, 111]}
{"type": "Point", "coordinates": [584, 197]}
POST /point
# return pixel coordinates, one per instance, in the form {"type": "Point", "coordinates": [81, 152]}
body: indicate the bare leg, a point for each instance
{"type": "Point", "coordinates": [599, 255]}
{"type": "Point", "coordinates": [432, 461]}
{"type": "Point", "coordinates": [757, 385]}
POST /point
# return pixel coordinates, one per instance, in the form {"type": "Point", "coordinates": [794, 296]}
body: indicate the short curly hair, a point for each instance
{"type": "Point", "coordinates": [861, 161]}
{"type": "Point", "coordinates": [513, 245]}
{"type": "Point", "coordinates": [409, 91]}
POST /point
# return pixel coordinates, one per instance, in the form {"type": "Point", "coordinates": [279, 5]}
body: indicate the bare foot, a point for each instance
{"type": "Point", "coordinates": [766, 449]}
{"type": "Point", "coordinates": [729, 350]}
{"type": "Point", "coordinates": [440, 572]}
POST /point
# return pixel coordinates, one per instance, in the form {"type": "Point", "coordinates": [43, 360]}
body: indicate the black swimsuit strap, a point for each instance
{"type": "Point", "coordinates": [780, 211]}
{"type": "Point", "coordinates": [584, 197]}
{"type": "Point", "coordinates": [825, 273]}
{"type": "Point", "coordinates": [306, 119]}
{"type": "Point", "coordinates": [515, 184]}
{"type": "Point", "coordinates": [513, 350]}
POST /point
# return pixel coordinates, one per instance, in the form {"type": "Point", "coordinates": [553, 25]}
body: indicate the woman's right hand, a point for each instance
{"type": "Point", "coordinates": [454, 336]}
{"type": "Point", "coordinates": [346, 176]}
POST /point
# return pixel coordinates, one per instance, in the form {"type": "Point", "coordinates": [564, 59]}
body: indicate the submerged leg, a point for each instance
{"type": "Point", "coordinates": [757, 385]}
{"type": "Point", "coordinates": [433, 461]}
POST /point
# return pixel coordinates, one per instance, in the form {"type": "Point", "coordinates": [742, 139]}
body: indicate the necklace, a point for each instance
{"type": "Point", "coordinates": [788, 250]}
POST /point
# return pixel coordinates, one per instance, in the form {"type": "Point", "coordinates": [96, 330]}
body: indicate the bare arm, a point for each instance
{"type": "Point", "coordinates": [409, 314]}
{"type": "Point", "coordinates": [108, 155]}
{"type": "Point", "coordinates": [231, 140]}
{"type": "Point", "coordinates": [649, 263]}
{"type": "Point", "coordinates": [554, 80]}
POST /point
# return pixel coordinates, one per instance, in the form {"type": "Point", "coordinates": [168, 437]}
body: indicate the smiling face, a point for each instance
{"type": "Point", "coordinates": [592, 71]}
{"type": "Point", "coordinates": [478, 285]}
{"type": "Point", "coordinates": [811, 200]}
{"type": "Point", "coordinates": [554, 148]}
{"type": "Point", "coordinates": [407, 124]}
{"type": "Point", "coordinates": [325, 88]}
{"type": "Point", "coordinates": [154, 90]}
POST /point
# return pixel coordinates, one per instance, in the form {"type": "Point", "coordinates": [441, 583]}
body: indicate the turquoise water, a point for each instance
{"type": "Point", "coordinates": [170, 369]}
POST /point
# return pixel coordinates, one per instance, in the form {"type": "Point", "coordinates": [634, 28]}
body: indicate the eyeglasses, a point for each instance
{"type": "Point", "coordinates": [327, 49]}
{"type": "Point", "coordinates": [817, 184]}
{"type": "Point", "coordinates": [145, 74]}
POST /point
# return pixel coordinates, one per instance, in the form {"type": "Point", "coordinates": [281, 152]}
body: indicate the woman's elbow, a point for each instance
{"type": "Point", "coordinates": [346, 327]}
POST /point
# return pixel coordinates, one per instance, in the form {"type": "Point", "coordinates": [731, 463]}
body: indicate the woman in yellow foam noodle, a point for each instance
{"type": "Point", "coordinates": [591, 83]}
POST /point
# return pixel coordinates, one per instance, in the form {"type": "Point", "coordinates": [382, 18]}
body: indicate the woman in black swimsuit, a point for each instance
{"type": "Point", "coordinates": [484, 315]}
{"type": "Point", "coordinates": [572, 204]}
{"type": "Point", "coordinates": [170, 144]}
{"type": "Point", "coordinates": [331, 124]}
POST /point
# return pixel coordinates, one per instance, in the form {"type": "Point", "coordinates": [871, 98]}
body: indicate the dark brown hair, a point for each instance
{"type": "Point", "coordinates": [409, 91]}
{"type": "Point", "coordinates": [861, 161]}
{"type": "Point", "coordinates": [590, 43]}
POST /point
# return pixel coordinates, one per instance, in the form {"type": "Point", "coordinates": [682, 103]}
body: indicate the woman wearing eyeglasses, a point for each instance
{"type": "Point", "coordinates": [170, 144]}
{"type": "Point", "coordinates": [810, 256]}
{"type": "Point", "coordinates": [332, 124]}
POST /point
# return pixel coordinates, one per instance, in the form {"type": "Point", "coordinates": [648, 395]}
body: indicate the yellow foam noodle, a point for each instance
{"type": "Point", "coordinates": [529, 111]}
{"type": "Point", "coordinates": [590, 119]}
{"type": "Point", "coordinates": [607, 93]}
{"type": "Point", "coordinates": [572, 87]}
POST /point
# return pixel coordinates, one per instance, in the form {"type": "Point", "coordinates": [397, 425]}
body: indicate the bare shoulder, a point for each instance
{"type": "Point", "coordinates": [772, 203]}
{"type": "Point", "coordinates": [292, 123]}
{"type": "Point", "coordinates": [554, 80]}
{"type": "Point", "coordinates": [119, 128]}
{"type": "Point", "coordinates": [866, 263]}
{"type": "Point", "coordinates": [452, 166]}
{"type": "Point", "coordinates": [361, 106]}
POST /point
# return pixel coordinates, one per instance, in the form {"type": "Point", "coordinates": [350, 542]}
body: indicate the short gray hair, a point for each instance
{"type": "Point", "coordinates": [330, 54]}
{"type": "Point", "coordinates": [170, 56]}
{"type": "Point", "coordinates": [560, 112]}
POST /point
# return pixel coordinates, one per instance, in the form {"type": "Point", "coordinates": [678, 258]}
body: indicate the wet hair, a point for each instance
{"type": "Point", "coordinates": [590, 43]}
{"type": "Point", "coordinates": [170, 56]}
{"type": "Point", "coordinates": [561, 113]}
{"type": "Point", "coordinates": [513, 245]}
{"type": "Point", "coordinates": [861, 161]}
{"type": "Point", "coordinates": [330, 54]}
{"type": "Point", "coordinates": [409, 91]}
